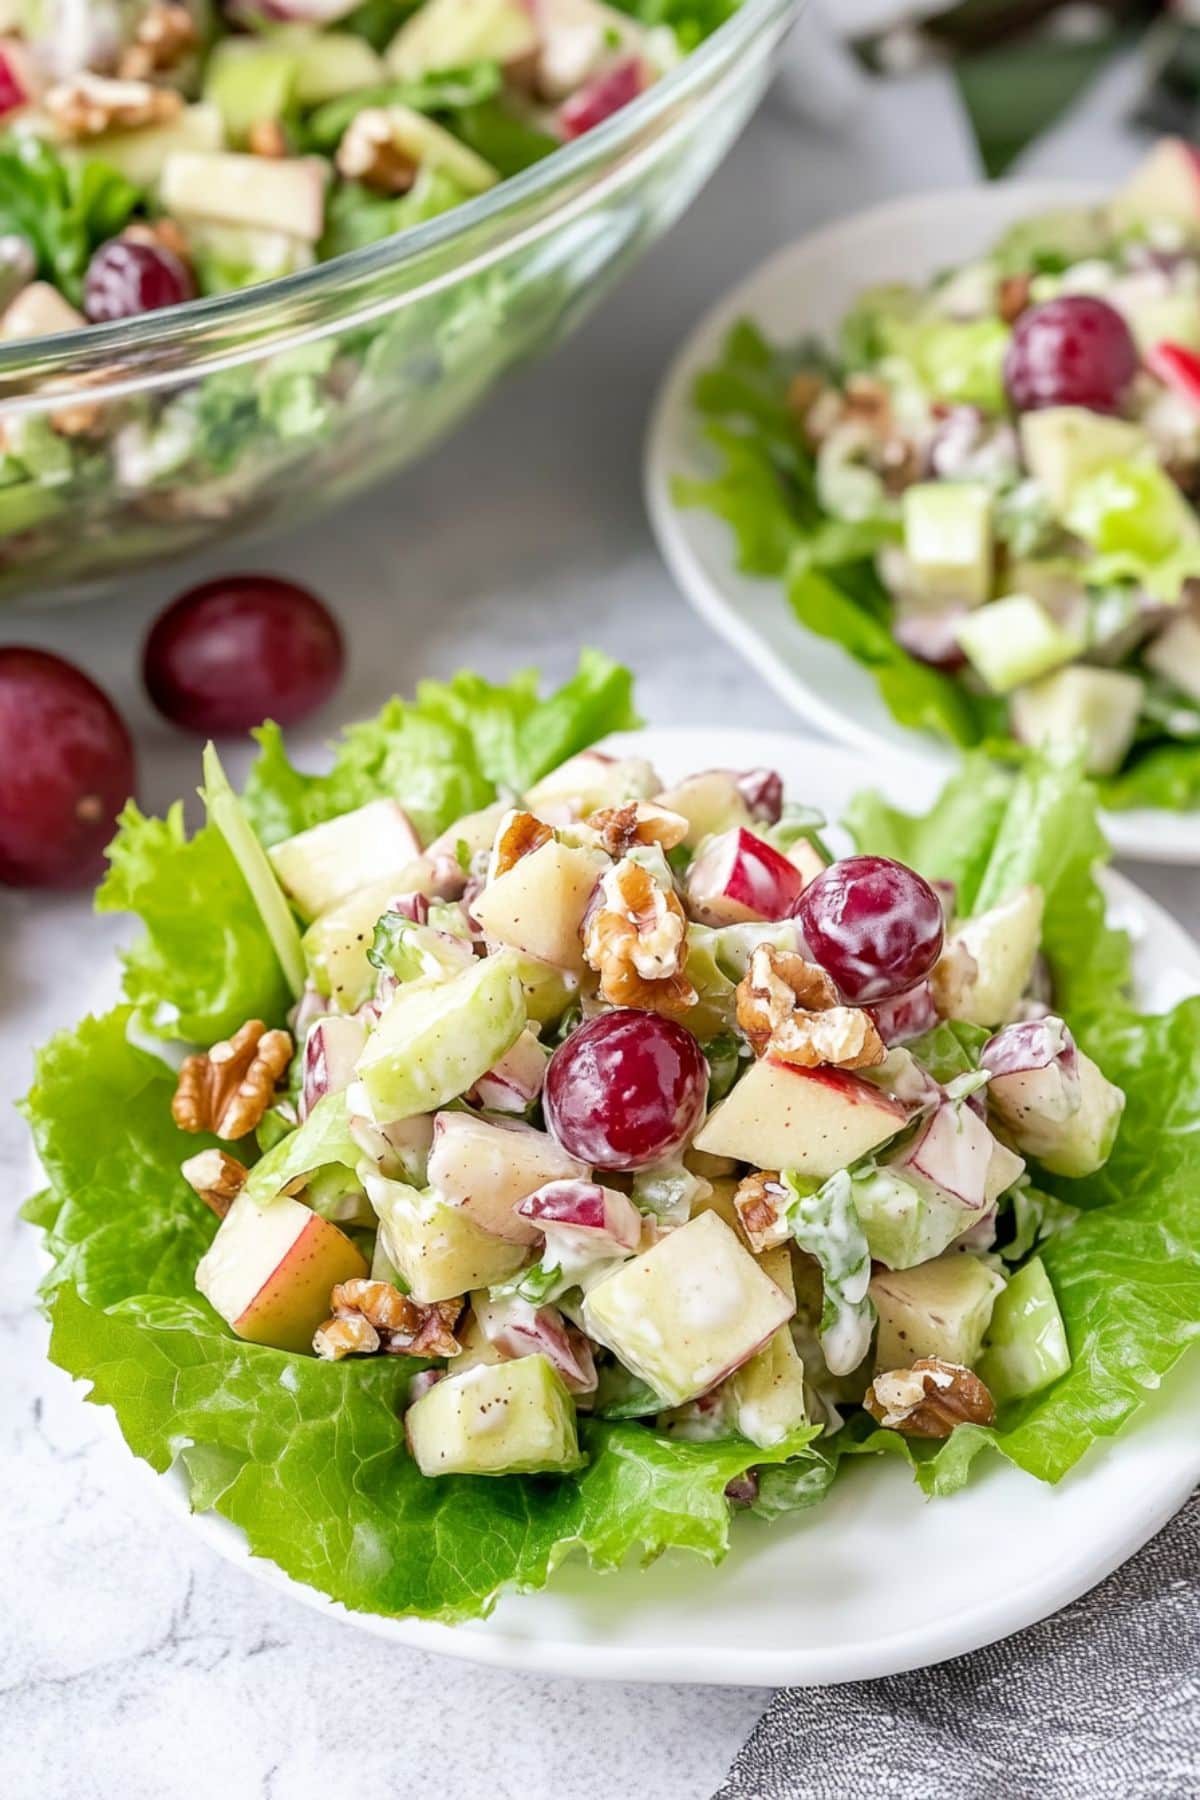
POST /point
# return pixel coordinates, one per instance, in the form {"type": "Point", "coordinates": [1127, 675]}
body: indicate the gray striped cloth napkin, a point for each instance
{"type": "Point", "coordinates": [1099, 1702]}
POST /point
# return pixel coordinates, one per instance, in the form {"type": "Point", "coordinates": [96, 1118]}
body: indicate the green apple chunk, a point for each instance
{"type": "Point", "coordinates": [905, 1222]}
{"type": "Point", "coordinates": [711, 802]}
{"type": "Point", "coordinates": [768, 1392]}
{"type": "Point", "coordinates": [249, 81]}
{"type": "Point", "coordinates": [1027, 1340]}
{"type": "Point", "coordinates": [270, 1269]}
{"type": "Point", "coordinates": [1002, 943]}
{"type": "Point", "coordinates": [476, 831]}
{"type": "Point", "coordinates": [429, 145]}
{"type": "Point", "coordinates": [439, 1249]}
{"type": "Point", "coordinates": [284, 195]}
{"type": "Point", "coordinates": [435, 1039]}
{"type": "Point", "coordinates": [537, 906]}
{"type": "Point", "coordinates": [1175, 653]}
{"type": "Point", "coordinates": [687, 1313]}
{"type": "Point", "coordinates": [1100, 705]}
{"type": "Point", "coordinates": [450, 34]}
{"type": "Point", "coordinates": [225, 812]}
{"type": "Point", "coordinates": [1014, 640]}
{"type": "Point", "coordinates": [512, 1418]}
{"type": "Point", "coordinates": [585, 783]}
{"type": "Point", "coordinates": [336, 943]}
{"type": "Point", "coordinates": [1063, 445]}
{"type": "Point", "coordinates": [141, 155]}
{"type": "Point", "coordinates": [948, 540]}
{"type": "Point", "coordinates": [548, 991]}
{"type": "Point", "coordinates": [1081, 1143]}
{"type": "Point", "coordinates": [813, 1121]}
{"type": "Point", "coordinates": [332, 63]}
{"type": "Point", "coordinates": [1165, 185]}
{"type": "Point", "coordinates": [941, 1308]}
{"type": "Point", "coordinates": [329, 862]}
{"type": "Point", "coordinates": [488, 1167]}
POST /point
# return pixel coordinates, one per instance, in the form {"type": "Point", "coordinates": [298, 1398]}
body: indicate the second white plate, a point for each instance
{"type": "Point", "coordinates": [805, 290]}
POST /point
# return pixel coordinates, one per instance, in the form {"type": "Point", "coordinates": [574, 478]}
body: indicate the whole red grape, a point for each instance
{"type": "Point", "coordinates": [626, 1090]}
{"type": "Point", "coordinates": [874, 925]}
{"type": "Point", "coordinates": [1073, 351]}
{"type": "Point", "coordinates": [126, 278]}
{"type": "Point", "coordinates": [240, 649]}
{"type": "Point", "coordinates": [66, 770]}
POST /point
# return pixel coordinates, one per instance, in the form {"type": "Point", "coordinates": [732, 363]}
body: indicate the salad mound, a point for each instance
{"type": "Point", "coordinates": [553, 1158]}
{"type": "Point", "coordinates": [987, 488]}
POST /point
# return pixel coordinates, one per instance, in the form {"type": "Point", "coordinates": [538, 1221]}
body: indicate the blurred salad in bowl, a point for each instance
{"type": "Point", "coordinates": [987, 487]}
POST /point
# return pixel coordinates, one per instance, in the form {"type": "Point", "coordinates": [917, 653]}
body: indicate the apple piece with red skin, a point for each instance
{"type": "Point", "coordinates": [905, 1016]}
{"type": "Point", "coordinates": [593, 779]}
{"type": "Point", "coordinates": [814, 1121]}
{"type": "Point", "coordinates": [17, 83]}
{"type": "Point", "coordinates": [1177, 368]}
{"type": "Point", "coordinates": [515, 1082]}
{"type": "Point", "coordinates": [718, 800]}
{"type": "Point", "coordinates": [488, 1167]}
{"type": "Point", "coordinates": [517, 1328]}
{"type": "Point", "coordinates": [1034, 1066]}
{"type": "Point", "coordinates": [583, 1224]}
{"type": "Point", "coordinates": [805, 856]}
{"type": "Point", "coordinates": [688, 1312]}
{"type": "Point", "coordinates": [738, 877]}
{"type": "Point", "coordinates": [331, 1049]}
{"type": "Point", "coordinates": [951, 1154]}
{"type": "Point", "coordinates": [538, 905]}
{"type": "Point", "coordinates": [1004, 1169]}
{"type": "Point", "coordinates": [1165, 185]}
{"type": "Point", "coordinates": [602, 96]}
{"type": "Point", "coordinates": [270, 1269]}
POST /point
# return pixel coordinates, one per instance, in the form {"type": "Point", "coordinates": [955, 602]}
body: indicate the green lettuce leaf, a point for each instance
{"type": "Point", "coordinates": [1163, 774]}
{"type": "Point", "coordinates": [447, 752]}
{"type": "Point", "coordinates": [206, 963]}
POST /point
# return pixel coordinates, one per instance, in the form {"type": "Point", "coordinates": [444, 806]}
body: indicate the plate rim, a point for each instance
{"type": "Point", "coordinates": [1145, 833]}
{"type": "Point", "coordinates": [491, 1644]}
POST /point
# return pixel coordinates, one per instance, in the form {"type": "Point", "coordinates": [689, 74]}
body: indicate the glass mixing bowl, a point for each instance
{"type": "Point", "coordinates": [141, 440]}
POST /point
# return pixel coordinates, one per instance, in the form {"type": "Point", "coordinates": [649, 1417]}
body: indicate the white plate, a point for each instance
{"type": "Point", "coordinates": [804, 290]}
{"type": "Point", "coordinates": [875, 1579]}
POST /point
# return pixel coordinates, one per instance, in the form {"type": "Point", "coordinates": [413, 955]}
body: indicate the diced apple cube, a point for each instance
{"type": "Point", "coordinates": [1063, 445]}
{"type": "Point", "coordinates": [517, 1328]}
{"type": "Point", "coordinates": [1165, 185]}
{"type": "Point", "coordinates": [319, 867]}
{"type": "Point", "coordinates": [687, 1313]}
{"type": "Point", "coordinates": [711, 802]}
{"type": "Point", "coordinates": [331, 1049]}
{"type": "Point", "coordinates": [768, 1392]}
{"type": "Point", "coordinates": [538, 905]}
{"type": "Point", "coordinates": [1003, 944]}
{"type": "Point", "coordinates": [1082, 1142]}
{"type": "Point", "coordinates": [477, 831]}
{"type": "Point", "coordinates": [940, 1308]}
{"type": "Point", "coordinates": [513, 1418]}
{"type": "Point", "coordinates": [583, 1224]}
{"type": "Point", "coordinates": [1034, 1067]}
{"type": "Point", "coordinates": [452, 34]}
{"type": "Point", "coordinates": [815, 1121]}
{"type": "Point", "coordinates": [1175, 655]}
{"type": "Point", "coordinates": [270, 1270]}
{"type": "Point", "coordinates": [592, 780]}
{"type": "Point", "coordinates": [1005, 1168]}
{"type": "Point", "coordinates": [141, 153]}
{"type": "Point", "coordinates": [1101, 705]}
{"type": "Point", "coordinates": [907, 1222]}
{"type": "Point", "coordinates": [399, 1149]}
{"type": "Point", "coordinates": [435, 1039]}
{"type": "Point", "coordinates": [439, 1249]}
{"type": "Point", "coordinates": [488, 1167]}
{"type": "Point", "coordinates": [336, 943]}
{"type": "Point", "coordinates": [739, 876]}
{"type": "Point", "coordinates": [39, 310]}
{"type": "Point", "coordinates": [287, 194]}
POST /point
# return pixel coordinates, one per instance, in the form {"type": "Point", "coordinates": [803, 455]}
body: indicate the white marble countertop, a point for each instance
{"type": "Point", "coordinates": [135, 1662]}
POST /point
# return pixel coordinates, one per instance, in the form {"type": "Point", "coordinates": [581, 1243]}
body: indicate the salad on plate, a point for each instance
{"type": "Point", "coordinates": [987, 487]}
{"type": "Point", "coordinates": [504, 1148]}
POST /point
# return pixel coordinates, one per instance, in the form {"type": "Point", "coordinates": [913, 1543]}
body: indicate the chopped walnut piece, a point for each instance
{"type": "Point", "coordinates": [369, 153]}
{"type": "Point", "coordinates": [1012, 297]}
{"type": "Point", "coordinates": [88, 105]}
{"type": "Point", "coordinates": [165, 34]}
{"type": "Point", "coordinates": [790, 1007]}
{"type": "Point", "coordinates": [380, 1317]}
{"type": "Point", "coordinates": [520, 834]}
{"type": "Point", "coordinates": [868, 402]}
{"type": "Point", "coordinates": [638, 822]}
{"type": "Point", "coordinates": [929, 1399]}
{"type": "Point", "coordinates": [216, 1177]}
{"type": "Point", "coordinates": [804, 390]}
{"type": "Point", "coordinates": [952, 975]}
{"type": "Point", "coordinates": [636, 940]}
{"type": "Point", "coordinates": [84, 419]}
{"type": "Point", "coordinates": [845, 1037]}
{"type": "Point", "coordinates": [228, 1089]}
{"type": "Point", "coordinates": [267, 137]}
{"type": "Point", "coordinates": [759, 1201]}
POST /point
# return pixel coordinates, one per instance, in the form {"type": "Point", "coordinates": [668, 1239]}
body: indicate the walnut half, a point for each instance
{"type": "Point", "coordinates": [929, 1399]}
{"type": "Point", "coordinates": [790, 1007]}
{"type": "Point", "coordinates": [216, 1177]}
{"type": "Point", "coordinates": [636, 940]}
{"type": "Point", "coordinates": [760, 1202]}
{"type": "Point", "coordinates": [227, 1089]}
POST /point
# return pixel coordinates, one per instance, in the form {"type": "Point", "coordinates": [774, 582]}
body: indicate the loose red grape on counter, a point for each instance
{"type": "Point", "coordinates": [239, 649]}
{"type": "Point", "coordinates": [66, 770]}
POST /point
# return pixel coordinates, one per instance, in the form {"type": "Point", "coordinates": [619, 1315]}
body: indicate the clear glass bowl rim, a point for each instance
{"type": "Point", "coordinates": [53, 354]}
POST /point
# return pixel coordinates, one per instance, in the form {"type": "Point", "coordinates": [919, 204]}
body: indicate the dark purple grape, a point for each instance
{"type": "Point", "coordinates": [874, 925]}
{"type": "Point", "coordinates": [1073, 351]}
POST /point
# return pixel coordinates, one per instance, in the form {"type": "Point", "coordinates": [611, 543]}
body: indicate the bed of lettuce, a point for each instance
{"type": "Point", "coordinates": [307, 1457]}
{"type": "Point", "coordinates": [765, 491]}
